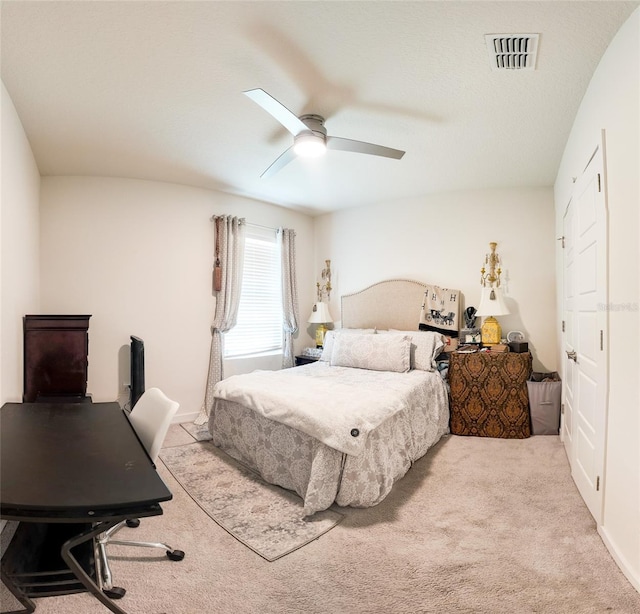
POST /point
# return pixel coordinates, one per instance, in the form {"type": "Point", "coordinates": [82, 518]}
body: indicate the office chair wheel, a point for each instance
{"type": "Point", "coordinates": [115, 592]}
{"type": "Point", "coordinates": [175, 555]}
{"type": "Point", "coordinates": [133, 523]}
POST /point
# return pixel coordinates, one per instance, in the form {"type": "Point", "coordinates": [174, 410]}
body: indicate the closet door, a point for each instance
{"type": "Point", "coordinates": [568, 295]}
{"type": "Point", "coordinates": [585, 342]}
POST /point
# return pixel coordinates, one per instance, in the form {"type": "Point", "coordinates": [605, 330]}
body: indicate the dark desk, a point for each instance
{"type": "Point", "coordinates": [69, 472]}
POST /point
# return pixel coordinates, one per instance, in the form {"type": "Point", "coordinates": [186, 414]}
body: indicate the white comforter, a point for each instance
{"type": "Point", "coordinates": [304, 452]}
{"type": "Point", "coordinates": [339, 406]}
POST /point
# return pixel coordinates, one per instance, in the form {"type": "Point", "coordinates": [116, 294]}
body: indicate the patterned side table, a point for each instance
{"type": "Point", "coordinates": [489, 395]}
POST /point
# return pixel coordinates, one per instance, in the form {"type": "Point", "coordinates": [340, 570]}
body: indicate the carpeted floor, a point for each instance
{"type": "Point", "coordinates": [478, 526]}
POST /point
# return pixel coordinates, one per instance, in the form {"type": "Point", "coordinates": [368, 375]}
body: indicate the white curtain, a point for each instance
{"type": "Point", "coordinates": [230, 252]}
{"type": "Point", "coordinates": [287, 239]}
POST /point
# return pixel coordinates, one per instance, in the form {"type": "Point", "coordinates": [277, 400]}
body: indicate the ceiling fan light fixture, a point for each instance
{"type": "Point", "coordinates": [309, 145]}
{"type": "Point", "coordinates": [310, 136]}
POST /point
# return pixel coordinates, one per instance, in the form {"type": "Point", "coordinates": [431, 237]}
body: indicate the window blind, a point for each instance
{"type": "Point", "coordinates": [259, 325]}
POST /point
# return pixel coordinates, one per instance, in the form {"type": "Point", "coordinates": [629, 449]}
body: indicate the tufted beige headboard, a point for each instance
{"type": "Point", "coordinates": [394, 303]}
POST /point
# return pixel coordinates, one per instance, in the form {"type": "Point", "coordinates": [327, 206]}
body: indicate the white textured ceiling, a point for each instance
{"type": "Point", "coordinates": [153, 90]}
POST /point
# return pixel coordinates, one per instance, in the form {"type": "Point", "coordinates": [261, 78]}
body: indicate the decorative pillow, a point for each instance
{"type": "Point", "coordinates": [374, 352]}
{"type": "Point", "coordinates": [425, 347]}
{"type": "Point", "coordinates": [330, 335]}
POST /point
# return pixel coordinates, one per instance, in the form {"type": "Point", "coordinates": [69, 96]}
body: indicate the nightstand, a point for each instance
{"type": "Point", "coordinates": [305, 360]}
{"type": "Point", "coordinates": [489, 396]}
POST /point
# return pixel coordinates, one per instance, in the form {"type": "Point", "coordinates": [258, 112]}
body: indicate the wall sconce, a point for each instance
{"type": "Point", "coordinates": [320, 314]}
{"type": "Point", "coordinates": [491, 300]}
{"type": "Point", "coordinates": [325, 288]}
{"type": "Point", "coordinates": [491, 278]}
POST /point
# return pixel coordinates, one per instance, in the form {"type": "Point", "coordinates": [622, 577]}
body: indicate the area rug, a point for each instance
{"type": "Point", "coordinates": [266, 518]}
{"type": "Point", "coordinates": [199, 432]}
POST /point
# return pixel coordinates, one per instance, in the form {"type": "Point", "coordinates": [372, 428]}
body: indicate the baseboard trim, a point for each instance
{"type": "Point", "coordinates": [620, 560]}
{"type": "Point", "coordinates": [186, 417]}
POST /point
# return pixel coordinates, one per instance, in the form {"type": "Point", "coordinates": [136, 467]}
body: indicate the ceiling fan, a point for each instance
{"type": "Point", "coordinates": [310, 136]}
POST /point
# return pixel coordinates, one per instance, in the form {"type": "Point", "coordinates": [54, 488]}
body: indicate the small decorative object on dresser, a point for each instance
{"type": "Point", "coordinates": [515, 335]}
{"type": "Point", "coordinates": [470, 335]}
{"type": "Point", "coordinates": [499, 347]}
{"type": "Point", "coordinates": [518, 346]}
{"type": "Point", "coordinates": [516, 342]}
{"type": "Point", "coordinates": [470, 317]}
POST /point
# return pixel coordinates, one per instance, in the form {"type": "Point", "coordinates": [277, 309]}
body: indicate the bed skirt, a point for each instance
{"type": "Point", "coordinates": [322, 475]}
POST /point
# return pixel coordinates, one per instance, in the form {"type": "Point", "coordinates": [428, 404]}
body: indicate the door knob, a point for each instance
{"type": "Point", "coordinates": [572, 356]}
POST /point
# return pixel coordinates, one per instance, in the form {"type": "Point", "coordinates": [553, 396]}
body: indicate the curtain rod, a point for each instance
{"type": "Point", "coordinates": [261, 226]}
{"type": "Point", "coordinates": [213, 217]}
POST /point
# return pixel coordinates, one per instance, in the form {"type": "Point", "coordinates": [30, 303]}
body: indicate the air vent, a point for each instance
{"type": "Point", "coordinates": [512, 51]}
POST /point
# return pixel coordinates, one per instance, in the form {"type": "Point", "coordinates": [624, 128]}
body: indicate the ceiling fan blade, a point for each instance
{"type": "Point", "coordinates": [279, 163]}
{"type": "Point", "coordinates": [336, 142]}
{"type": "Point", "coordinates": [288, 119]}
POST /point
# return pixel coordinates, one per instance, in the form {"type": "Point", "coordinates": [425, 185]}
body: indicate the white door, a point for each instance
{"type": "Point", "coordinates": [585, 343]}
{"type": "Point", "coordinates": [567, 324]}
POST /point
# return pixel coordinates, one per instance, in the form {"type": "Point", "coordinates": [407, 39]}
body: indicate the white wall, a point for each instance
{"type": "Point", "coordinates": [612, 103]}
{"type": "Point", "coordinates": [138, 257]}
{"type": "Point", "coordinates": [19, 238]}
{"type": "Point", "coordinates": [442, 239]}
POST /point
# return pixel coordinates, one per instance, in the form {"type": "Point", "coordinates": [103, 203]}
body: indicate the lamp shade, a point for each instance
{"type": "Point", "coordinates": [320, 314]}
{"type": "Point", "coordinates": [492, 306]}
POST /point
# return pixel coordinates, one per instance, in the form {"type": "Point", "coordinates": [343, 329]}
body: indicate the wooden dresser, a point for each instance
{"type": "Point", "coordinates": [56, 349]}
{"type": "Point", "coordinates": [489, 395]}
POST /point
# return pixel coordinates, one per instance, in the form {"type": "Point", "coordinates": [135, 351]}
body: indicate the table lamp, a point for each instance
{"type": "Point", "coordinates": [491, 304]}
{"type": "Point", "coordinates": [320, 316]}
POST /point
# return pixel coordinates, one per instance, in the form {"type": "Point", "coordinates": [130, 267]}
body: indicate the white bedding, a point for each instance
{"type": "Point", "coordinates": [295, 428]}
{"type": "Point", "coordinates": [339, 406]}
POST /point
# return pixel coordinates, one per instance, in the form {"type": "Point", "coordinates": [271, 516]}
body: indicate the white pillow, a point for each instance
{"type": "Point", "coordinates": [329, 336]}
{"type": "Point", "coordinates": [374, 352]}
{"type": "Point", "coordinates": [425, 347]}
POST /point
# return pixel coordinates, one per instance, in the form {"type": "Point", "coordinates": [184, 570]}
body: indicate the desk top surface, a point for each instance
{"type": "Point", "coordinates": [67, 461]}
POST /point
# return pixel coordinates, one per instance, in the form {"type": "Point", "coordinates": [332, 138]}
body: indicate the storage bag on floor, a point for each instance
{"type": "Point", "coordinates": [545, 393]}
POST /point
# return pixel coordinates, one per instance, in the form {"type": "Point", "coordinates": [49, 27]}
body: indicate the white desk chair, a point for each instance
{"type": "Point", "coordinates": [150, 417]}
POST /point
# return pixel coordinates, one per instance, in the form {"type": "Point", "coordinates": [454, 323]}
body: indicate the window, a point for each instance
{"type": "Point", "coordinates": [259, 325]}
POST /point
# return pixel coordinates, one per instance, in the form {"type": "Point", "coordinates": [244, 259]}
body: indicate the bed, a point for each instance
{"type": "Point", "coordinates": [346, 428]}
